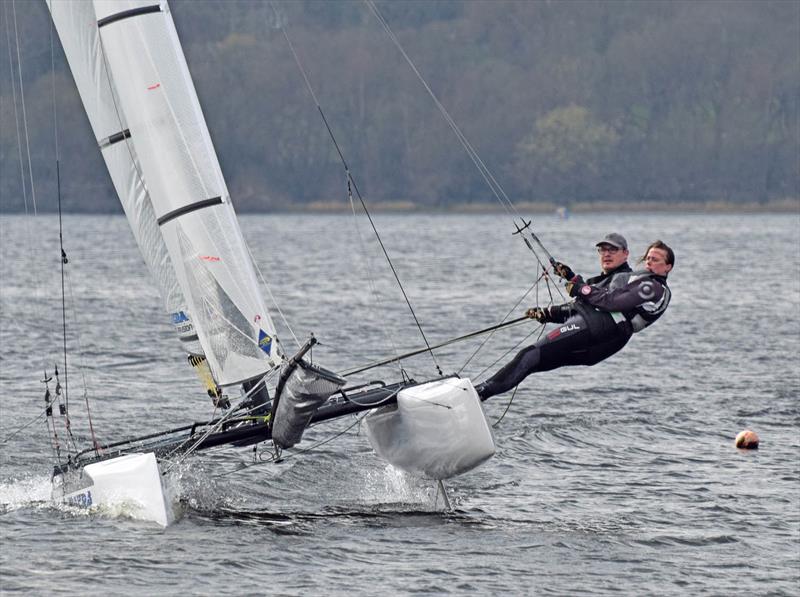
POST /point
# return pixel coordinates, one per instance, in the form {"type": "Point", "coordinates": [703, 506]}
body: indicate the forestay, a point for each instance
{"type": "Point", "coordinates": [132, 75]}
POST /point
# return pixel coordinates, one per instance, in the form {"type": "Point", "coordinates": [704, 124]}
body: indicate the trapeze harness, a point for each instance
{"type": "Point", "coordinates": [609, 309]}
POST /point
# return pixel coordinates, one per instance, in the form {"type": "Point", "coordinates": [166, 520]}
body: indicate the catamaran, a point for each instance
{"type": "Point", "coordinates": [129, 68]}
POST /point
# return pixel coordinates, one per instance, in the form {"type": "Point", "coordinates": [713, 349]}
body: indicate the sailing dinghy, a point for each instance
{"type": "Point", "coordinates": [133, 80]}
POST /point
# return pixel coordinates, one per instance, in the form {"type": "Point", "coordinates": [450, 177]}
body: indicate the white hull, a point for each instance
{"type": "Point", "coordinates": [131, 485]}
{"type": "Point", "coordinates": [436, 430]}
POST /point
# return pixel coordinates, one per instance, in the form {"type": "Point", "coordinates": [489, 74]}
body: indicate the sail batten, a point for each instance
{"type": "Point", "coordinates": [188, 209]}
{"type": "Point", "coordinates": [137, 90]}
{"type": "Point", "coordinates": [115, 138]}
{"type": "Point", "coordinates": [126, 14]}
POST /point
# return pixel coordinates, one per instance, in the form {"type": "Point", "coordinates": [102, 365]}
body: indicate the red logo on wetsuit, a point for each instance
{"type": "Point", "coordinates": [586, 290]}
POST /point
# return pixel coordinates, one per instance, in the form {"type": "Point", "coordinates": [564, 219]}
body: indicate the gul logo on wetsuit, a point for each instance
{"type": "Point", "coordinates": [563, 330]}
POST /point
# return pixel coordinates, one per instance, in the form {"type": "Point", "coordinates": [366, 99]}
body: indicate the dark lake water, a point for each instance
{"type": "Point", "coordinates": [618, 478]}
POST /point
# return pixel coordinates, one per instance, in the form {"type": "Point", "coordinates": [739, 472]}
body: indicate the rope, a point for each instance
{"type": "Point", "coordinates": [496, 424]}
{"type": "Point", "coordinates": [271, 296]}
{"type": "Point", "coordinates": [510, 311]}
{"type": "Point", "coordinates": [298, 452]}
{"type": "Point", "coordinates": [234, 410]}
{"type": "Point", "coordinates": [53, 81]}
{"type": "Point", "coordinates": [64, 259]}
{"type": "Point", "coordinates": [491, 181]}
{"type": "Point", "coordinates": [351, 180]}
{"type": "Point", "coordinates": [55, 443]}
{"type": "Point", "coordinates": [370, 276]}
{"type": "Point", "coordinates": [440, 345]}
{"type": "Point", "coordinates": [25, 426]}
{"type": "Point", "coordinates": [24, 111]}
{"type": "Point", "coordinates": [487, 175]}
{"type": "Point", "coordinates": [493, 184]}
{"type": "Point", "coordinates": [483, 169]}
{"type": "Point", "coordinates": [540, 329]}
{"type": "Point", "coordinates": [16, 113]}
{"type": "Point", "coordinates": [78, 361]}
{"type": "Point", "coordinates": [72, 447]}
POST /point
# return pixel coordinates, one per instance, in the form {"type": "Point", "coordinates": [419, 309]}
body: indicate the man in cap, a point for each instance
{"type": "Point", "coordinates": [613, 254]}
{"type": "Point", "coordinates": [608, 309]}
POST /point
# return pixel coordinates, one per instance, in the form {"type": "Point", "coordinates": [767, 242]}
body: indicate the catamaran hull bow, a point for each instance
{"type": "Point", "coordinates": [131, 484]}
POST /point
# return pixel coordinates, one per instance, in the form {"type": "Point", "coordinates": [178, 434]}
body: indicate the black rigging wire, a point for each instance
{"type": "Point", "coordinates": [24, 115]}
{"type": "Point", "coordinates": [490, 329]}
{"type": "Point", "coordinates": [64, 262]}
{"type": "Point", "coordinates": [14, 101]}
{"type": "Point", "coordinates": [496, 424]}
{"type": "Point", "coordinates": [294, 454]}
{"type": "Point", "coordinates": [487, 175]}
{"type": "Point", "coordinates": [351, 180]}
{"type": "Point", "coordinates": [24, 426]}
{"type": "Point", "coordinates": [540, 331]}
{"type": "Point", "coordinates": [54, 443]}
{"type": "Point", "coordinates": [493, 184]}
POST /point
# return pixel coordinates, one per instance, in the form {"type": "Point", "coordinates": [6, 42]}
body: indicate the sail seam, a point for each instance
{"type": "Point", "coordinates": [125, 14]}
{"type": "Point", "coordinates": [181, 211]}
{"type": "Point", "coordinates": [115, 138]}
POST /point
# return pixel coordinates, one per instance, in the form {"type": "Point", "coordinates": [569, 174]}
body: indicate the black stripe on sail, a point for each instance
{"type": "Point", "coordinates": [182, 211]}
{"type": "Point", "coordinates": [133, 12]}
{"type": "Point", "coordinates": [192, 338]}
{"type": "Point", "coordinates": [115, 138]}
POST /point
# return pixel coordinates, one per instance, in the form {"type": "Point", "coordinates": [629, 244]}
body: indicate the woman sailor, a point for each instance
{"type": "Point", "coordinates": [597, 324]}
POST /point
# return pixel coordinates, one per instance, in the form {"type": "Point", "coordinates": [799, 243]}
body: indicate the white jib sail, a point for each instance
{"type": "Point", "coordinates": [179, 170]}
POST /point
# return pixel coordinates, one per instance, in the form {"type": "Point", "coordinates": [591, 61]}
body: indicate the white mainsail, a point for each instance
{"type": "Point", "coordinates": [81, 42]}
{"type": "Point", "coordinates": [129, 67]}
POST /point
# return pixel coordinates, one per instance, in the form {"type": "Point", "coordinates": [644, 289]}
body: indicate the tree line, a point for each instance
{"type": "Point", "coordinates": [564, 101]}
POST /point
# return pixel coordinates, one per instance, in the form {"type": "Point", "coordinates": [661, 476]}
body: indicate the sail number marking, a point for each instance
{"type": "Point", "coordinates": [81, 500]}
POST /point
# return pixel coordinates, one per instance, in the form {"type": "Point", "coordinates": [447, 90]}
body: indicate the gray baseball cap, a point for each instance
{"type": "Point", "coordinates": [615, 240]}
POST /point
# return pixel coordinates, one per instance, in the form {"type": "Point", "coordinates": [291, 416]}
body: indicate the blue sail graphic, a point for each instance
{"type": "Point", "coordinates": [264, 341]}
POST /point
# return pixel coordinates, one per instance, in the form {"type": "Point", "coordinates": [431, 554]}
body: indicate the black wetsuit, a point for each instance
{"type": "Point", "coordinates": [608, 310]}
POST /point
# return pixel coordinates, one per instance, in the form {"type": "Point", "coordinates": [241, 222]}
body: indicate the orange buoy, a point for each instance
{"type": "Point", "coordinates": [747, 440]}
